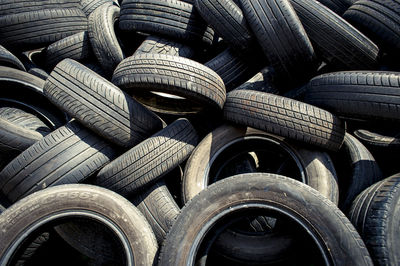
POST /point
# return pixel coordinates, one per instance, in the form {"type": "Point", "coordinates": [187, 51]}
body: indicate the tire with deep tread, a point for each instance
{"type": "Point", "coordinates": [35, 29]}
{"type": "Point", "coordinates": [369, 95]}
{"type": "Point", "coordinates": [173, 75]}
{"type": "Point", "coordinates": [227, 19]}
{"type": "Point", "coordinates": [339, 240]}
{"type": "Point", "coordinates": [103, 39]}
{"type": "Point", "coordinates": [337, 42]}
{"type": "Point", "coordinates": [67, 155]}
{"type": "Point", "coordinates": [378, 19]}
{"type": "Point", "coordinates": [50, 206]}
{"type": "Point", "coordinates": [170, 18]}
{"type": "Point", "coordinates": [282, 38]}
{"type": "Point", "coordinates": [285, 117]}
{"type": "Point", "coordinates": [99, 105]}
{"type": "Point", "coordinates": [375, 214]}
{"type": "Point", "coordinates": [150, 159]}
{"type": "Point", "coordinates": [75, 47]}
{"type": "Point", "coordinates": [89, 6]}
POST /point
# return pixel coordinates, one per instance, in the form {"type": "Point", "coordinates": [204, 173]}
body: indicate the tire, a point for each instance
{"type": "Point", "coordinates": [232, 68]}
{"type": "Point", "coordinates": [25, 91]}
{"type": "Point", "coordinates": [201, 87]}
{"type": "Point", "coordinates": [120, 217]}
{"type": "Point", "coordinates": [285, 117]}
{"type": "Point", "coordinates": [103, 39]}
{"type": "Point", "coordinates": [224, 146]}
{"type": "Point", "coordinates": [282, 38]}
{"type": "Point", "coordinates": [10, 60]}
{"type": "Point", "coordinates": [169, 18]}
{"type": "Point", "coordinates": [158, 45]}
{"type": "Point", "coordinates": [99, 105]}
{"type": "Point", "coordinates": [227, 19]}
{"type": "Point", "coordinates": [159, 207]}
{"type": "Point", "coordinates": [316, 167]}
{"type": "Point", "coordinates": [21, 6]}
{"type": "Point", "coordinates": [75, 47]}
{"type": "Point", "coordinates": [380, 139]}
{"type": "Point", "coordinates": [38, 72]}
{"type": "Point", "coordinates": [67, 155]}
{"type": "Point", "coordinates": [362, 171]}
{"type": "Point", "coordinates": [262, 81]}
{"type": "Point", "coordinates": [337, 42]}
{"type": "Point", "coordinates": [375, 215]}
{"type": "Point", "coordinates": [25, 31]}
{"type": "Point", "coordinates": [149, 160]}
{"type": "Point", "coordinates": [371, 95]}
{"type": "Point", "coordinates": [89, 6]}
{"type": "Point", "coordinates": [337, 6]}
{"type": "Point", "coordinates": [337, 238]}
{"type": "Point", "coordinates": [2, 209]}
{"type": "Point", "coordinates": [380, 20]}
{"type": "Point", "coordinates": [24, 119]}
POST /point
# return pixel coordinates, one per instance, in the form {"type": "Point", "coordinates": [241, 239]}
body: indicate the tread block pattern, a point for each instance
{"type": "Point", "coordinates": [149, 160]}
{"type": "Point", "coordinates": [363, 94]}
{"type": "Point", "coordinates": [67, 155]}
{"type": "Point", "coordinates": [285, 117]}
{"type": "Point", "coordinates": [171, 74]}
{"type": "Point", "coordinates": [89, 6]}
{"type": "Point", "coordinates": [40, 28]}
{"type": "Point", "coordinates": [335, 39]}
{"type": "Point", "coordinates": [99, 105]}
{"type": "Point", "coordinates": [170, 18]}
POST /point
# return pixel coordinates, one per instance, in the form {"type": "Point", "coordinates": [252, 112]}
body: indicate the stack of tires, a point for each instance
{"type": "Point", "coordinates": [197, 132]}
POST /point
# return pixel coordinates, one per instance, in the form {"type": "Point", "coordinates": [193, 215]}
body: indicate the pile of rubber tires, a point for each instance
{"type": "Point", "coordinates": [197, 132]}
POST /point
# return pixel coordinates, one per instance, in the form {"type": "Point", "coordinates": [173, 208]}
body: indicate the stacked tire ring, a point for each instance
{"type": "Point", "coordinates": [197, 132]}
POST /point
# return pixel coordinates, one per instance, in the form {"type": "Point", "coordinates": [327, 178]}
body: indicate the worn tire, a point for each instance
{"type": "Point", "coordinates": [336, 41]}
{"type": "Point", "coordinates": [158, 45]}
{"type": "Point", "coordinates": [369, 95]}
{"type": "Point", "coordinates": [103, 39]}
{"type": "Point", "coordinates": [89, 6]}
{"type": "Point", "coordinates": [228, 21]}
{"type": "Point", "coordinates": [363, 171]}
{"type": "Point", "coordinates": [170, 18]}
{"type": "Point", "coordinates": [149, 160]}
{"type": "Point", "coordinates": [99, 105]}
{"type": "Point", "coordinates": [36, 29]}
{"type": "Point", "coordinates": [159, 207]}
{"type": "Point", "coordinates": [380, 20]}
{"type": "Point", "coordinates": [21, 6]}
{"type": "Point", "coordinates": [375, 214]}
{"type": "Point", "coordinates": [10, 60]}
{"type": "Point", "coordinates": [282, 38]}
{"type": "Point", "coordinates": [284, 117]}
{"type": "Point", "coordinates": [67, 155]}
{"type": "Point", "coordinates": [339, 241]}
{"type": "Point", "coordinates": [75, 47]}
{"type": "Point", "coordinates": [140, 75]}
{"type": "Point", "coordinates": [127, 224]}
